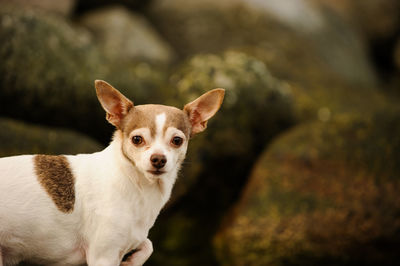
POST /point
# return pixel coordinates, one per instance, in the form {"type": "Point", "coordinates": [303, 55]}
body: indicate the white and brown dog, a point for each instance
{"type": "Point", "coordinates": [95, 208]}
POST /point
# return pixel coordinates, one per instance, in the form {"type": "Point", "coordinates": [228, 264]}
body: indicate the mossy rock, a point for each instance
{"type": "Point", "coordinates": [256, 108]}
{"type": "Point", "coordinates": [119, 29]}
{"type": "Point", "coordinates": [318, 55]}
{"type": "Point", "coordinates": [322, 194]}
{"type": "Point", "coordinates": [20, 138]}
{"type": "Point", "coordinates": [48, 68]}
{"type": "Point", "coordinates": [87, 5]}
{"type": "Point", "coordinates": [298, 40]}
{"type": "Point", "coordinates": [375, 19]}
{"type": "Point", "coordinates": [61, 7]}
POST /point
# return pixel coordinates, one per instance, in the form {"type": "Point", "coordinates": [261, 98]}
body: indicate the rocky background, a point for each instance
{"type": "Point", "coordinates": [302, 164]}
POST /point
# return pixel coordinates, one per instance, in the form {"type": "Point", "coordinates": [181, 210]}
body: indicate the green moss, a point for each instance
{"type": "Point", "coordinates": [325, 192]}
{"type": "Point", "coordinates": [301, 50]}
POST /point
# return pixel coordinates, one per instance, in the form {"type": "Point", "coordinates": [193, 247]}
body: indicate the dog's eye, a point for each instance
{"type": "Point", "coordinates": [137, 140]}
{"type": "Point", "coordinates": [177, 141]}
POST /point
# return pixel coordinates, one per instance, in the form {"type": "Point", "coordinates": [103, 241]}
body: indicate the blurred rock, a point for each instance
{"type": "Point", "coordinates": [48, 70]}
{"type": "Point", "coordinates": [87, 5]}
{"type": "Point", "coordinates": [118, 29]}
{"type": "Point", "coordinates": [325, 193]}
{"type": "Point", "coordinates": [321, 101]}
{"type": "Point", "coordinates": [378, 22]}
{"type": "Point", "coordinates": [59, 7]}
{"type": "Point", "coordinates": [255, 104]}
{"type": "Point", "coordinates": [256, 108]}
{"type": "Point", "coordinates": [395, 80]}
{"type": "Point", "coordinates": [376, 19]}
{"type": "Point", "coordinates": [21, 138]}
{"type": "Point", "coordinates": [297, 39]}
{"type": "Point", "coordinates": [397, 55]}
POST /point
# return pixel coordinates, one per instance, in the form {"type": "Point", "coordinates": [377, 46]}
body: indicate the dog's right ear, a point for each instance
{"type": "Point", "coordinates": [114, 103]}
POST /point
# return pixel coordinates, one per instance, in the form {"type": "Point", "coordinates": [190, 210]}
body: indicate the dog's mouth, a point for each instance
{"type": "Point", "coordinates": [156, 172]}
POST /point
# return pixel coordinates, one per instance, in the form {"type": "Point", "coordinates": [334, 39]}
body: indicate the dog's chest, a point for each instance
{"type": "Point", "coordinates": [139, 216]}
{"type": "Point", "coordinates": [146, 208]}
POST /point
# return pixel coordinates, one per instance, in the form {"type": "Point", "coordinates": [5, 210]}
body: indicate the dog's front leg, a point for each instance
{"type": "Point", "coordinates": [103, 261]}
{"type": "Point", "coordinates": [98, 255]}
{"type": "Point", "coordinates": [140, 256]}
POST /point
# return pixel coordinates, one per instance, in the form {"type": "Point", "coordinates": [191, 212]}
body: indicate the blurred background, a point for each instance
{"type": "Point", "coordinates": [301, 166]}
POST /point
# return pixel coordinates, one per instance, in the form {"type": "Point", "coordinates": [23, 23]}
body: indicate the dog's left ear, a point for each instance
{"type": "Point", "coordinates": [203, 108]}
{"type": "Point", "coordinates": [114, 103]}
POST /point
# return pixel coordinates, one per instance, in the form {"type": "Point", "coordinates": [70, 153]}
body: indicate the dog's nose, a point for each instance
{"type": "Point", "coordinates": [158, 160]}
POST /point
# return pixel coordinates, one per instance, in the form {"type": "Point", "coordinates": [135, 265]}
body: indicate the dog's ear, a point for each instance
{"type": "Point", "coordinates": [114, 103]}
{"type": "Point", "coordinates": [203, 108]}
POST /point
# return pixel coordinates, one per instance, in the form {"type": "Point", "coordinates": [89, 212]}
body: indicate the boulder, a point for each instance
{"type": "Point", "coordinates": [117, 29]}
{"type": "Point", "coordinates": [396, 56]}
{"type": "Point", "coordinates": [378, 22]}
{"type": "Point", "coordinates": [322, 100]}
{"type": "Point", "coordinates": [83, 6]}
{"type": "Point", "coordinates": [255, 104]}
{"type": "Point", "coordinates": [324, 193]}
{"type": "Point", "coordinates": [297, 40]}
{"type": "Point", "coordinates": [48, 68]}
{"type": "Point", "coordinates": [375, 19]}
{"type": "Point", "coordinates": [396, 77]}
{"type": "Point", "coordinates": [59, 7]}
{"type": "Point", "coordinates": [18, 137]}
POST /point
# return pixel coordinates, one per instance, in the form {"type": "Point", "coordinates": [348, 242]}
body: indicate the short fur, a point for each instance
{"type": "Point", "coordinates": [95, 208]}
{"type": "Point", "coordinates": [56, 177]}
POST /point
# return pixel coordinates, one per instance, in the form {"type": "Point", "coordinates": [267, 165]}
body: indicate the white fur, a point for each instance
{"type": "Point", "coordinates": [114, 205]}
{"type": "Point", "coordinates": [160, 122]}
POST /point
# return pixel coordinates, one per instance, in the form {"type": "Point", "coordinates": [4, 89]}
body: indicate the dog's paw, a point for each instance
{"type": "Point", "coordinates": [139, 256]}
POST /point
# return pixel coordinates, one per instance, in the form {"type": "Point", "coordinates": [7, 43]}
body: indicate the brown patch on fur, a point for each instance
{"type": "Point", "coordinates": [145, 116]}
{"type": "Point", "coordinates": [55, 175]}
{"type": "Point", "coordinates": [179, 120]}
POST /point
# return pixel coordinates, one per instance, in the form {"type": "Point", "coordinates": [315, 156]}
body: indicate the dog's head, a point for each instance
{"type": "Point", "coordinates": [155, 137]}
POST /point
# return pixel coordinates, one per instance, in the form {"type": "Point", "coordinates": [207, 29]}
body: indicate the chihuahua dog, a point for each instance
{"type": "Point", "coordinates": [94, 208]}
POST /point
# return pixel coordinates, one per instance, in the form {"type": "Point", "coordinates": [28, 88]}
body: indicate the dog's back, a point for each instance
{"type": "Point", "coordinates": [29, 221]}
